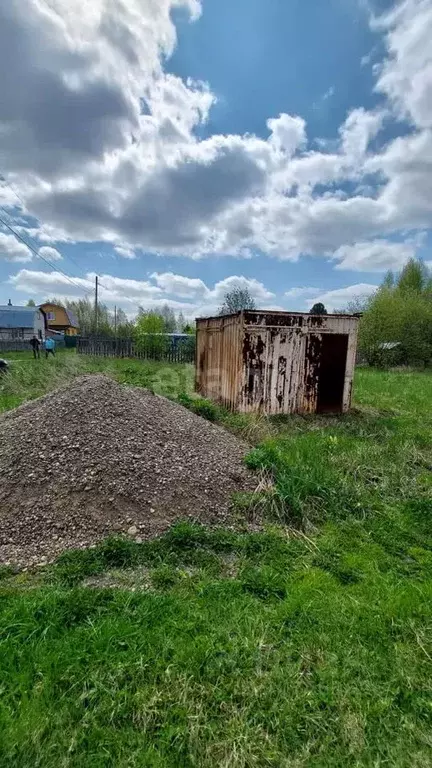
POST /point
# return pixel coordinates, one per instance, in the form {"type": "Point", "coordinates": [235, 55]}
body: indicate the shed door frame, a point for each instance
{"type": "Point", "coordinates": [310, 396]}
{"type": "Point", "coordinates": [332, 372]}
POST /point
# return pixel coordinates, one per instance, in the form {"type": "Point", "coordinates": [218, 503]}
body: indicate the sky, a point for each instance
{"type": "Point", "coordinates": [179, 148]}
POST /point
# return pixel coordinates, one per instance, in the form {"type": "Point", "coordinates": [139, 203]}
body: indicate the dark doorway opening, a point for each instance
{"type": "Point", "coordinates": [331, 379]}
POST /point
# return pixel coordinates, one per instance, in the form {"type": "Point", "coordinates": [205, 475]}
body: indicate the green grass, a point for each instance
{"type": "Point", "coordinates": [307, 644]}
{"type": "Point", "coordinates": [29, 378]}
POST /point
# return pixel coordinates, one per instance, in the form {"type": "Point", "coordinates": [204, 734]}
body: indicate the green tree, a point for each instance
{"type": "Point", "coordinates": [125, 327]}
{"type": "Point", "coordinates": [236, 300]}
{"type": "Point", "coordinates": [181, 322]}
{"type": "Point", "coordinates": [150, 335]}
{"type": "Point", "coordinates": [413, 278]}
{"type": "Point", "coordinates": [169, 318]}
{"type": "Point", "coordinates": [356, 305]}
{"type": "Point", "coordinates": [122, 318]}
{"type": "Point", "coordinates": [400, 312]}
{"type": "Point", "coordinates": [85, 311]}
{"type": "Point", "coordinates": [318, 309]}
{"type": "Point", "coordinates": [389, 280]}
{"type": "Point", "coordinates": [30, 303]}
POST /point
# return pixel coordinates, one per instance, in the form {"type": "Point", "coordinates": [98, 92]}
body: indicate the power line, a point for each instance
{"type": "Point", "coordinates": [39, 256]}
{"type": "Point", "coordinates": [4, 179]}
{"type": "Point", "coordinates": [35, 249]}
{"type": "Point", "coordinates": [125, 297]}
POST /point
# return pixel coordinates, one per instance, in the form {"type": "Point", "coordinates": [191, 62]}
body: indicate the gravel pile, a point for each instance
{"type": "Point", "coordinates": [98, 458]}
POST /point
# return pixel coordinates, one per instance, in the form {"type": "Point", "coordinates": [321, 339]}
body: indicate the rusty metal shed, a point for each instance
{"type": "Point", "coordinates": [277, 362]}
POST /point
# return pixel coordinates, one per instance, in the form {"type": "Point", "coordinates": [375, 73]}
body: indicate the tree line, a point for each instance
{"type": "Point", "coordinates": [396, 321]}
{"type": "Point", "coordinates": [396, 324]}
{"type": "Point", "coordinates": [152, 321]}
{"type": "Point", "coordinates": [109, 323]}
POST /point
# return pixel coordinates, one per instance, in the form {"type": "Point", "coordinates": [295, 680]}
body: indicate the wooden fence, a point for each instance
{"type": "Point", "coordinates": [20, 345]}
{"type": "Point", "coordinates": [14, 345]}
{"type": "Point", "coordinates": [163, 347]}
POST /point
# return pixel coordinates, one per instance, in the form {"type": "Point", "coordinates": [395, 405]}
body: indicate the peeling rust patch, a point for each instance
{"type": "Point", "coordinates": [282, 380]}
{"type": "Point", "coordinates": [254, 364]}
{"type": "Point", "coordinates": [312, 365]}
{"type": "Point", "coordinates": [277, 320]}
{"type": "Point", "coordinates": [317, 321]}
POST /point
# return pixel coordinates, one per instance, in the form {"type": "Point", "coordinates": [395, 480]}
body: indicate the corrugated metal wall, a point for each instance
{"type": "Point", "coordinates": [219, 359]}
{"type": "Point", "coordinates": [276, 362]}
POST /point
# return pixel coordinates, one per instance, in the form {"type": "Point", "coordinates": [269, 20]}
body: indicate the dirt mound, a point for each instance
{"type": "Point", "coordinates": [97, 458]}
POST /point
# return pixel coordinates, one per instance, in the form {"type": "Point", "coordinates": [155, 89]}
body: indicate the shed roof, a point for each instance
{"type": "Point", "coordinates": [278, 313]}
{"type": "Point", "coordinates": [17, 317]}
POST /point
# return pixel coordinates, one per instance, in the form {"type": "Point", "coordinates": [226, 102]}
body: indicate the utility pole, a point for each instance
{"type": "Point", "coordinates": [96, 304]}
{"type": "Point", "coordinates": [115, 329]}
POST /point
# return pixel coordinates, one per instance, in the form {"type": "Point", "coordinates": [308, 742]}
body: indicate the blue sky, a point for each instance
{"type": "Point", "coordinates": [180, 148]}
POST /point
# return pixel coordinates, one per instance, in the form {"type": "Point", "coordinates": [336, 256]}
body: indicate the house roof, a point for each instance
{"type": "Point", "coordinates": [73, 320]}
{"type": "Point", "coordinates": [17, 317]}
{"type": "Point", "coordinates": [71, 316]}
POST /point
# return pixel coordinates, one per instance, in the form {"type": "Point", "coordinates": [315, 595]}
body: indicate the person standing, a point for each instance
{"type": "Point", "coordinates": [35, 345]}
{"type": "Point", "coordinates": [49, 347]}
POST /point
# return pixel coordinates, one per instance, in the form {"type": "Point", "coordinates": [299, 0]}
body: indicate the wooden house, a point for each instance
{"type": "Point", "coordinates": [21, 323]}
{"type": "Point", "coordinates": [60, 319]}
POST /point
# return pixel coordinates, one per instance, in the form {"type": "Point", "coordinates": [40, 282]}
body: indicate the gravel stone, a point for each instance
{"type": "Point", "coordinates": [98, 458]}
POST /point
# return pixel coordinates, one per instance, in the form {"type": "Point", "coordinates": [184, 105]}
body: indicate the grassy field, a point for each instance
{"type": "Point", "coordinates": [31, 378]}
{"type": "Point", "coordinates": [308, 644]}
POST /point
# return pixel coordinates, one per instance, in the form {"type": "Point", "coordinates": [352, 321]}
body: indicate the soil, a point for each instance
{"type": "Point", "coordinates": [98, 458]}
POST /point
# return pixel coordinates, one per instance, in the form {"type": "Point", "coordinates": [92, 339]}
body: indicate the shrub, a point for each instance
{"type": "Point", "coordinates": [150, 335]}
{"type": "Point", "coordinates": [400, 311]}
{"type": "Point", "coordinates": [200, 406]}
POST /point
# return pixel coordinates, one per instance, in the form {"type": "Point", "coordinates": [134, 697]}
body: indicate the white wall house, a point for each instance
{"type": "Point", "coordinates": [21, 323]}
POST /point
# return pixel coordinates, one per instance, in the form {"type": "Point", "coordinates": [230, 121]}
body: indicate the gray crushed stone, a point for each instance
{"type": "Point", "coordinates": [99, 458]}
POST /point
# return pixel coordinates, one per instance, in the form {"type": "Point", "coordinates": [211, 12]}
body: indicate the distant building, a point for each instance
{"type": "Point", "coordinates": [21, 323]}
{"type": "Point", "coordinates": [60, 319]}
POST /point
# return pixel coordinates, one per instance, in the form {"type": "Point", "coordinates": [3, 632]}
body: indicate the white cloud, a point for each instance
{"type": "Point", "coordinates": [374, 256]}
{"type": "Point", "coordinates": [120, 288]}
{"type": "Point", "coordinates": [288, 133]}
{"type": "Point", "coordinates": [12, 249]}
{"type": "Point", "coordinates": [8, 198]}
{"type": "Point", "coordinates": [50, 253]}
{"type": "Point", "coordinates": [102, 144]}
{"type": "Point", "coordinates": [357, 131]}
{"type": "Point", "coordinates": [301, 291]}
{"type": "Point", "coordinates": [42, 284]}
{"type": "Point", "coordinates": [126, 253]}
{"type": "Point", "coordinates": [194, 288]}
{"type": "Point", "coordinates": [255, 288]}
{"type": "Point", "coordinates": [167, 288]}
{"type": "Point", "coordinates": [329, 93]}
{"type": "Point", "coordinates": [111, 289]}
{"type": "Point", "coordinates": [406, 164]}
{"type": "Point", "coordinates": [406, 76]}
{"type": "Point", "coordinates": [73, 77]}
{"type": "Point", "coordinates": [339, 298]}
{"type": "Point", "coordinates": [185, 287]}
